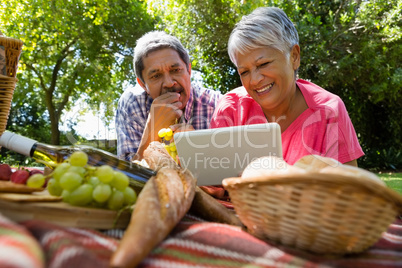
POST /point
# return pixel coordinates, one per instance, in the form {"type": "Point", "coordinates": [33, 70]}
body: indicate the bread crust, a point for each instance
{"type": "Point", "coordinates": [161, 204]}
{"type": "Point", "coordinates": [203, 205]}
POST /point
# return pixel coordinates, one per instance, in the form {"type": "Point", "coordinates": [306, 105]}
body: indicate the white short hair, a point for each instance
{"type": "Point", "coordinates": [264, 27]}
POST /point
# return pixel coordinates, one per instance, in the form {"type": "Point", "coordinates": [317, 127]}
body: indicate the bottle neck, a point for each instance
{"type": "Point", "coordinates": [18, 143]}
{"type": "Point", "coordinates": [33, 149]}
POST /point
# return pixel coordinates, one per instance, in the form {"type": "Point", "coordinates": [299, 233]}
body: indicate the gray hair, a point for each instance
{"type": "Point", "coordinates": [264, 27]}
{"type": "Point", "coordinates": [154, 41]}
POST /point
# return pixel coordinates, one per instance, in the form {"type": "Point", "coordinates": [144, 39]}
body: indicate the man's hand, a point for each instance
{"type": "Point", "coordinates": [165, 110]}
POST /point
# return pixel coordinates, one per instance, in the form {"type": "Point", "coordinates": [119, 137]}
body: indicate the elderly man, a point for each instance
{"type": "Point", "coordinates": [163, 97]}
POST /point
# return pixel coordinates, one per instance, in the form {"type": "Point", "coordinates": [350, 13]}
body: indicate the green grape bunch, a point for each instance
{"type": "Point", "coordinates": [81, 184]}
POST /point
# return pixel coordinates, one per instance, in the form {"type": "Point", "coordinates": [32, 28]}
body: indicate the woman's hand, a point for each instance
{"type": "Point", "coordinates": [181, 127]}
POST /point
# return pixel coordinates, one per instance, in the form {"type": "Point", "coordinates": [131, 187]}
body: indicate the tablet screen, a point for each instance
{"type": "Point", "coordinates": [215, 154]}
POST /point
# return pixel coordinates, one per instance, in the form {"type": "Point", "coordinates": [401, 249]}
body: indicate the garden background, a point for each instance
{"type": "Point", "coordinates": [82, 50]}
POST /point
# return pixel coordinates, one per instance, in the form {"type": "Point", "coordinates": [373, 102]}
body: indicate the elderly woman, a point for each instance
{"type": "Point", "coordinates": [264, 46]}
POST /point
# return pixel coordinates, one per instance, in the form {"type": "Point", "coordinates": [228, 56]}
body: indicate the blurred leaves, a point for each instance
{"type": "Point", "coordinates": [73, 50]}
{"type": "Point", "coordinates": [351, 48]}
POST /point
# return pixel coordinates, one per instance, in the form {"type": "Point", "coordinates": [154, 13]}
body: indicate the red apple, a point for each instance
{"type": "Point", "coordinates": [20, 176]}
{"type": "Point", "coordinates": [5, 172]}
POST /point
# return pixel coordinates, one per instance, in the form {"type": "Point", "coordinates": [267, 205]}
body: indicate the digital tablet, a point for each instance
{"type": "Point", "coordinates": [215, 154]}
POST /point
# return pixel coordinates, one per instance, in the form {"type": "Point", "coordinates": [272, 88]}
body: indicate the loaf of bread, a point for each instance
{"type": "Point", "coordinates": [314, 163]}
{"type": "Point", "coordinates": [157, 157]}
{"type": "Point", "coordinates": [268, 166]}
{"type": "Point", "coordinates": [161, 204]}
{"type": "Point", "coordinates": [326, 165]}
{"type": "Point", "coordinates": [204, 205]}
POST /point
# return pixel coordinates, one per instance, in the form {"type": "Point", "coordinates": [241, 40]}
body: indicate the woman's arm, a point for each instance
{"type": "Point", "coordinates": [351, 163]}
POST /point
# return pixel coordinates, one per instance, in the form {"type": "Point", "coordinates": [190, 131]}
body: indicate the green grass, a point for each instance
{"type": "Point", "coordinates": [392, 180]}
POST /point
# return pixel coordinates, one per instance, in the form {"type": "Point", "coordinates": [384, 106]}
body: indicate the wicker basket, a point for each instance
{"type": "Point", "coordinates": [13, 48]}
{"type": "Point", "coordinates": [332, 214]}
{"type": "Point", "coordinates": [7, 86]}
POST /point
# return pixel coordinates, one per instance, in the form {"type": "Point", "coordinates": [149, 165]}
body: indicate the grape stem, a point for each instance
{"type": "Point", "coordinates": [130, 208]}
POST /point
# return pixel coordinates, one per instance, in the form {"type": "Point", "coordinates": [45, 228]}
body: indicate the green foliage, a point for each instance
{"type": "Point", "coordinates": [355, 53]}
{"type": "Point", "coordinates": [351, 48]}
{"type": "Point", "coordinates": [83, 48]}
{"type": "Point", "coordinates": [72, 50]}
{"type": "Point", "coordinates": [392, 180]}
{"type": "Point", "coordinates": [204, 28]}
{"type": "Point", "coordinates": [36, 131]}
{"type": "Point", "coordinates": [385, 159]}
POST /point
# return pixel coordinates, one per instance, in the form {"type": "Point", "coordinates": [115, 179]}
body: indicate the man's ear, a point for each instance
{"type": "Point", "coordinates": [141, 84]}
{"type": "Point", "coordinates": [295, 57]}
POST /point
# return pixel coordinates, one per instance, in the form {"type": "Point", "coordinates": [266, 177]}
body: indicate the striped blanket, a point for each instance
{"type": "Point", "coordinates": [193, 243]}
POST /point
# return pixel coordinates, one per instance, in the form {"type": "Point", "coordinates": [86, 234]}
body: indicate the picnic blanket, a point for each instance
{"type": "Point", "coordinates": [193, 243]}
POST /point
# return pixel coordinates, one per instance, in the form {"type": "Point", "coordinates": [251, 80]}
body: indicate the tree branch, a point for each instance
{"type": "Point", "coordinates": [42, 82]}
{"type": "Point", "coordinates": [338, 10]}
{"type": "Point", "coordinates": [69, 91]}
{"type": "Point", "coordinates": [64, 53]}
{"type": "Point", "coordinates": [66, 96]}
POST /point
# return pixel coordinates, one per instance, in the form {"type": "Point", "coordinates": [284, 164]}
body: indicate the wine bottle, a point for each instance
{"type": "Point", "coordinates": [52, 154]}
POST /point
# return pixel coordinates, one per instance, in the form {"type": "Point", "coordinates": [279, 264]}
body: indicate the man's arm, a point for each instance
{"type": "Point", "coordinates": [131, 118]}
{"type": "Point", "coordinates": [164, 112]}
{"type": "Point", "coordinates": [147, 137]}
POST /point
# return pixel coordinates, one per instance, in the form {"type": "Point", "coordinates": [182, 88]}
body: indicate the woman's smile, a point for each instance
{"type": "Point", "coordinates": [265, 89]}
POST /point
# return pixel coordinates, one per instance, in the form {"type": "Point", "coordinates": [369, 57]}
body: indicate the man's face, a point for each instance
{"type": "Point", "coordinates": [164, 71]}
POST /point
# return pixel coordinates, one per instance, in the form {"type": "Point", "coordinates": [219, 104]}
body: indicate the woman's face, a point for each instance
{"type": "Point", "coordinates": [268, 75]}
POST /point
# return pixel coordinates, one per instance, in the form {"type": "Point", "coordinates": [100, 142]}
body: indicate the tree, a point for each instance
{"type": "Point", "coordinates": [351, 48]}
{"type": "Point", "coordinates": [203, 27]}
{"type": "Point", "coordinates": [73, 49]}
{"type": "Point", "coordinates": [83, 48]}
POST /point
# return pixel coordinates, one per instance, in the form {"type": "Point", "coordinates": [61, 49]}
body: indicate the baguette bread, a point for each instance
{"type": "Point", "coordinates": [314, 163]}
{"type": "Point", "coordinates": [161, 204]}
{"type": "Point", "coordinates": [157, 157]}
{"type": "Point", "coordinates": [268, 166]}
{"type": "Point", "coordinates": [203, 205]}
{"type": "Point", "coordinates": [208, 208]}
{"type": "Point", "coordinates": [326, 165]}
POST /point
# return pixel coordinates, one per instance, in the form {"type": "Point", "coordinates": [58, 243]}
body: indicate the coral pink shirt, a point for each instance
{"type": "Point", "coordinates": [324, 128]}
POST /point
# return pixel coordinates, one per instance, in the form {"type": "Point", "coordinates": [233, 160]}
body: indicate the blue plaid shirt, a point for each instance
{"type": "Point", "coordinates": [134, 107]}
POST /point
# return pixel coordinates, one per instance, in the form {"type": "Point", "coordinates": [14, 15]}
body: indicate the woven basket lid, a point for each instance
{"type": "Point", "coordinates": [315, 169]}
{"type": "Point", "coordinates": [13, 49]}
{"type": "Point", "coordinates": [319, 178]}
